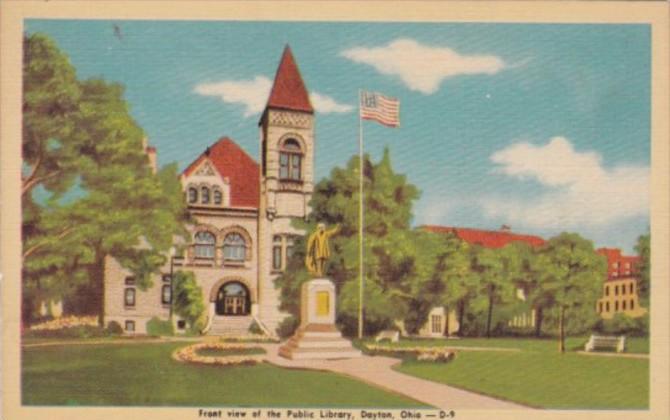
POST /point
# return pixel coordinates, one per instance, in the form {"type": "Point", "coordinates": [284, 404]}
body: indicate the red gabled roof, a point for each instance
{"type": "Point", "coordinates": [288, 90]}
{"type": "Point", "coordinates": [235, 164]}
{"type": "Point", "coordinates": [486, 238]}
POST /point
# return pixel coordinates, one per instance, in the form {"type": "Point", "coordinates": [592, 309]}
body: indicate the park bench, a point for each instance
{"type": "Point", "coordinates": [392, 335]}
{"type": "Point", "coordinates": [606, 342]}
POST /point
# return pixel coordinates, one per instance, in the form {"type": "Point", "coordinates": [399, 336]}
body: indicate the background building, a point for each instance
{"type": "Point", "coordinates": [620, 288]}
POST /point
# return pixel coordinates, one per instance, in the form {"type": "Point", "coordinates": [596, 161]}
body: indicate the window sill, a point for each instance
{"type": "Point", "coordinates": [276, 271]}
{"type": "Point", "coordinates": [234, 264]}
{"type": "Point", "coordinates": [129, 308]}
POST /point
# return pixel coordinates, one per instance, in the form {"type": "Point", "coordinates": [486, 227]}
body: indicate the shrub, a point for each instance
{"type": "Point", "coordinates": [81, 331]}
{"type": "Point", "coordinates": [114, 328]}
{"type": "Point", "coordinates": [188, 301]}
{"type": "Point", "coordinates": [255, 329]}
{"type": "Point", "coordinates": [157, 327]}
{"type": "Point", "coordinates": [622, 324]}
{"type": "Point", "coordinates": [287, 327]}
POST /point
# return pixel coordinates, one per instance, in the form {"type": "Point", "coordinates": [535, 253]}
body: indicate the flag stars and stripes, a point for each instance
{"type": "Point", "coordinates": [383, 109]}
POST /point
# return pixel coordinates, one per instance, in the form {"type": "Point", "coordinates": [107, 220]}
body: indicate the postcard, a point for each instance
{"type": "Point", "coordinates": [335, 210]}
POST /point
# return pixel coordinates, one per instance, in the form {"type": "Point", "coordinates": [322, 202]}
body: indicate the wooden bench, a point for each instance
{"type": "Point", "coordinates": [606, 342]}
{"type": "Point", "coordinates": [392, 335]}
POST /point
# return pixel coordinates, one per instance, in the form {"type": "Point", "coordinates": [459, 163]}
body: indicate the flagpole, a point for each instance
{"type": "Point", "coordinates": [360, 218]}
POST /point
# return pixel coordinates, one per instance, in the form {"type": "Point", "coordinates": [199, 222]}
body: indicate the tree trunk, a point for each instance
{"type": "Point", "coordinates": [538, 321]}
{"type": "Point", "coordinates": [461, 315]}
{"type": "Point", "coordinates": [96, 272]}
{"type": "Point", "coordinates": [446, 324]}
{"type": "Point", "coordinates": [488, 318]}
{"type": "Point", "coordinates": [561, 330]}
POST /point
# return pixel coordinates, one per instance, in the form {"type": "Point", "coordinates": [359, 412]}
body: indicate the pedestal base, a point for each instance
{"type": "Point", "coordinates": [318, 341]}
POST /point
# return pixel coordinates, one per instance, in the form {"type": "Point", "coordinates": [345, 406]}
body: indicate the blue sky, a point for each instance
{"type": "Point", "coordinates": [542, 127]}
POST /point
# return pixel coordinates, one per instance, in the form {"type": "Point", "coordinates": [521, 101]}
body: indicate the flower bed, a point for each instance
{"type": "Point", "coordinates": [66, 322]}
{"type": "Point", "coordinates": [250, 338]}
{"type": "Point", "coordinates": [427, 354]}
{"type": "Point", "coordinates": [190, 354]}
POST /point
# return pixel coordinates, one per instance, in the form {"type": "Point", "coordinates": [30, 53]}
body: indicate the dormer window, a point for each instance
{"type": "Point", "coordinates": [205, 195]}
{"type": "Point", "coordinates": [218, 197]}
{"type": "Point", "coordinates": [192, 195]}
{"type": "Point", "coordinates": [290, 160]}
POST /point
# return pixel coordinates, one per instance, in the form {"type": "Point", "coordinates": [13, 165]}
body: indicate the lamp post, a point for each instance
{"type": "Point", "coordinates": [172, 254]}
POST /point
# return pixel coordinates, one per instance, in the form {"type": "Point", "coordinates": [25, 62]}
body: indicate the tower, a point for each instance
{"type": "Point", "coordinates": [286, 178]}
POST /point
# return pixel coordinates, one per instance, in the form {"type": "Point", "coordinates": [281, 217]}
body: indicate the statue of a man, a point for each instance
{"type": "Point", "coordinates": [318, 250]}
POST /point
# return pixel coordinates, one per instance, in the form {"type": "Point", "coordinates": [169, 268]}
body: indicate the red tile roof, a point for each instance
{"type": "Point", "coordinates": [235, 164]}
{"type": "Point", "coordinates": [288, 90]}
{"type": "Point", "coordinates": [486, 238]}
{"type": "Point", "coordinates": [616, 263]}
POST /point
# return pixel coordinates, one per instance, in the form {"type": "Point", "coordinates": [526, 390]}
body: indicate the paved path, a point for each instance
{"type": "Point", "coordinates": [377, 370]}
{"type": "Point", "coordinates": [609, 354]}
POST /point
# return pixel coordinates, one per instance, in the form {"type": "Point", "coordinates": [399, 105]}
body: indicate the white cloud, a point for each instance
{"type": "Point", "coordinates": [579, 190]}
{"type": "Point", "coordinates": [421, 67]}
{"type": "Point", "coordinates": [326, 104]}
{"type": "Point", "coordinates": [253, 95]}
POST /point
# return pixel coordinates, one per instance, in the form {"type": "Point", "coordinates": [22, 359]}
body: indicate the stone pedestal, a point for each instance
{"type": "Point", "coordinates": [317, 337]}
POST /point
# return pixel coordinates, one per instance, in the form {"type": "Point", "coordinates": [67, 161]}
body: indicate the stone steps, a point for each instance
{"type": "Point", "coordinates": [230, 325]}
{"type": "Point", "coordinates": [316, 341]}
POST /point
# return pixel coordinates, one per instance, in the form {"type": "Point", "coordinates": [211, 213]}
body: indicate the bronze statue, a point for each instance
{"type": "Point", "coordinates": [318, 250]}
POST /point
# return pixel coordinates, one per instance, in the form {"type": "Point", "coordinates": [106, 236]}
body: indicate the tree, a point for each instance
{"type": "Point", "coordinates": [51, 95]}
{"type": "Point", "coordinates": [452, 282]}
{"type": "Point", "coordinates": [188, 300]}
{"type": "Point", "coordinates": [493, 268]}
{"type": "Point", "coordinates": [570, 277]}
{"type": "Point", "coordinates": [643, 249]}
{"type": "Point", "coordinates": [398, 260]}
{"type": "Point", "coordinates": [92, 153]}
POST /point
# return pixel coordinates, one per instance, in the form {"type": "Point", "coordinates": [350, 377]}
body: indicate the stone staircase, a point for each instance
{"type": "Point", "coordinates": [230, 325]}
{"type": "Point", "coordinates": [318, 341]}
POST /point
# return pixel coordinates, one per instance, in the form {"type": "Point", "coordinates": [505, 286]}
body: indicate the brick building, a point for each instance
{"type": "Point", "coordinates": [620, 288]}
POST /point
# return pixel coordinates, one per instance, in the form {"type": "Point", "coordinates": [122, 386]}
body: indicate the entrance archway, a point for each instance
{"type": "Point", "coordinates": [233, 299]}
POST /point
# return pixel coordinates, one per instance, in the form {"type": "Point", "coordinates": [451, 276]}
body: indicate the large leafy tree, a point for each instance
{"type": "Point", "coordinates": [398, 260]}
{"type": "Point", "coordinates": [643, 249]}
{"type": "Point", "coordinates": [494, 268]}
{"type": "Point", "coordinates": [570, 278]}
{"type": "Point", "coordinates": [114, 205]}
{"type": "Point", "coordinates": [453, 284]}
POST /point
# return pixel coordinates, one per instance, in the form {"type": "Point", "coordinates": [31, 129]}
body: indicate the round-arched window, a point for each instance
{"type": "Point", "coordinates": [218, 197]}
{"type": "Point", "coordinates": [192, 195]}
{"type": "Point", "coordinates": [205, 243]}
{"type": "Point", "coordinates": [205, 195]}
{"type": "Point", "coordinates": [234, 247]}
{"type": "Point", "coordinates": [290, 160]}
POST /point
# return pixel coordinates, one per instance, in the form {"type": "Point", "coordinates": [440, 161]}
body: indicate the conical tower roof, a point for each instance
{"type": "Point", "coordinates": [289, 91]}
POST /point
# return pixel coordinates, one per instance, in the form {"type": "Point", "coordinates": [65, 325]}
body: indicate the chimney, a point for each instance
{"type": "Point", "coordinates": [151, 155]}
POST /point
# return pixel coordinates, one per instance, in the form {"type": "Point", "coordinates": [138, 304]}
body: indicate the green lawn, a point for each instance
{"type": "Point", "coordinates": [633, 344]}
{"type": "Point", "coordinates": [539, 376]}
{"type": "Point", "coordinates": [145, 375]}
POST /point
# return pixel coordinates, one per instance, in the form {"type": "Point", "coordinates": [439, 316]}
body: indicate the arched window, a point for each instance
{"type": "Point", "coordinates": [290, 161]}
{"type": "Point", "coordinates": [205, 195]}
{"type": "Point", "coordinates": [204, 245]}
{"type": "Point", "coordinates": [234, 247]}
{"type": "Point", "coordinates": [192, 195]}
{"type": "Point", "coordinates": [218, 197]}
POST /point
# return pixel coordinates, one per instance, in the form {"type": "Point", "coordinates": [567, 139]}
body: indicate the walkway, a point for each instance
{"type": "Point", "coordinates": [378, 371]}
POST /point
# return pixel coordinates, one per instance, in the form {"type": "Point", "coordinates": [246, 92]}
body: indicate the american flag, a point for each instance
{"type": "Point", "coordinates": [380, 108]}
